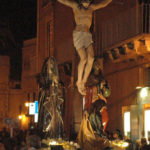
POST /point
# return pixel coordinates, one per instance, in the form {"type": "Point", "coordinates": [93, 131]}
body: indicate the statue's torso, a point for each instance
{"type": "Point", "coordinates": [83, 18]}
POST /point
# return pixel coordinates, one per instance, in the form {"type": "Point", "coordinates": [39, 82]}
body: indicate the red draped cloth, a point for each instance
{"type": "Point", "coordinates": [88, 98]}
{"type": "Point", "coordinates": [104, 114]}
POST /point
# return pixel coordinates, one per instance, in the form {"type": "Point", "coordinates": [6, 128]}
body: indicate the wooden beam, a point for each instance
{"type": "Point", "coordinates": [128, 50]}
{"type": "Point", "coordinates": [110, 56]}
{"type": "Point", "coordinates": [137, 44]}
{"type": "Point", "coordinates": [141, 47]}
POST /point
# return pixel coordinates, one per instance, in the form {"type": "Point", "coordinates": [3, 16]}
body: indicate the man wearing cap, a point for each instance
{"type": "Point", "coordinates": [82, 37]}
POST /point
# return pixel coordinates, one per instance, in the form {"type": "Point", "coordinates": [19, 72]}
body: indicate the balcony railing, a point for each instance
{"type": "Point", "coordinates": [126, 25]}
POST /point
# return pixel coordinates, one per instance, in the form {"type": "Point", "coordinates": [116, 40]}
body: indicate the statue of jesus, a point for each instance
{"type": "Point", "coordinates": [82, 37]}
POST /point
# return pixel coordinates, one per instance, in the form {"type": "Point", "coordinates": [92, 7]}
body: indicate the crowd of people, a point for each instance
{"type": "Point", "coordinates": [21, 140]}
{"type": "Point", "coordinates": [30, 140]}
{"type": "Point", "coordinates": [143, 144]}
{"type": "Point", "coordinates": [140, 144]}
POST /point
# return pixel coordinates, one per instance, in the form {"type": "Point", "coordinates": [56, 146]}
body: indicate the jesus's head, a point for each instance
{"type": "Point", "coordinates": [85, 3]}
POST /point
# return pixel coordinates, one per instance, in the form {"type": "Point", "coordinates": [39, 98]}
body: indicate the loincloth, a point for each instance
{"type": "Point", "coordinates": [82, 39]}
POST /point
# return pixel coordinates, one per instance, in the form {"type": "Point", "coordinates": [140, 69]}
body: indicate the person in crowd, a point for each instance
{"type": "Point", "coordinates": [137, 146]}
{"type": "Point", "coordinates": [129, 141]}
{"type": "Point", "coordinates": [33, 141]}
{"type": "Point", "coordinates": [109, 135]}
{"type": "Point", "coordinates": [117, 135]}
{"type": "Point", "coordinates": [144, 145]}
{"type": "Point", "coordinates": [149, 142]}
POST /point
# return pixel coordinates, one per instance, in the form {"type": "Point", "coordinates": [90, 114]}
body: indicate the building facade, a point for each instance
{"type": "Point", "coordinates": [10, 97]}
{"type": "Point", "coordinates": [125, 48]}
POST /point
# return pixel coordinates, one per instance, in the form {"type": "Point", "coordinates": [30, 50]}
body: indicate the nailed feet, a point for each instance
{"type": "Point", "coordinates": [81, 88]}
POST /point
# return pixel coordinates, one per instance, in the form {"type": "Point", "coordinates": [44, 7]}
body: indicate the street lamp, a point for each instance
{"type": "Point", "coordinates": [27, 104]}
{"type": "Point", "coordinates": [20, 117]}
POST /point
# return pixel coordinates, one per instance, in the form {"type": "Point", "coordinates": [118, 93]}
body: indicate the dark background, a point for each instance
{"type": "Point", "coordinates": [17, 23]}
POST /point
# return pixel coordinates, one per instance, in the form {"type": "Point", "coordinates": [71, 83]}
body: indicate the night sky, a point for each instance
{"type": "Point", "coordinates": [17, 23]}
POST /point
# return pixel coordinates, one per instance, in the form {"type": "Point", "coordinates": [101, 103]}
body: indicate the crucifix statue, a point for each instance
{"type": "Point", "coordinates": [82, 37]}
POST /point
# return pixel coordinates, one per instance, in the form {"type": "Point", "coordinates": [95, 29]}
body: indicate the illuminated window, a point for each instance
{"type": "Point", "coordinates": [144, 92]}
{"type": "Point", "coordinates": [127, 124]}
{"type": "Point", "coordinates": [147, 123]}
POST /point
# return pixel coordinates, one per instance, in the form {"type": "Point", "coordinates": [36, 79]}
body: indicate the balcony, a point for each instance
{"type": "Point", "coordinates": [127, 36]}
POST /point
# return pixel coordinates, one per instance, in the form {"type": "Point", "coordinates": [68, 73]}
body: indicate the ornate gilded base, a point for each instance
{"type": "Point", "coordinates": [59, 144]}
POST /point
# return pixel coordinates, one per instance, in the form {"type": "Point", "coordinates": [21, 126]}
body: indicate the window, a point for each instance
{"type": "Point", "coordinates": [147, 123]}
{"type": "Point", "coordinates": [127, 128]}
